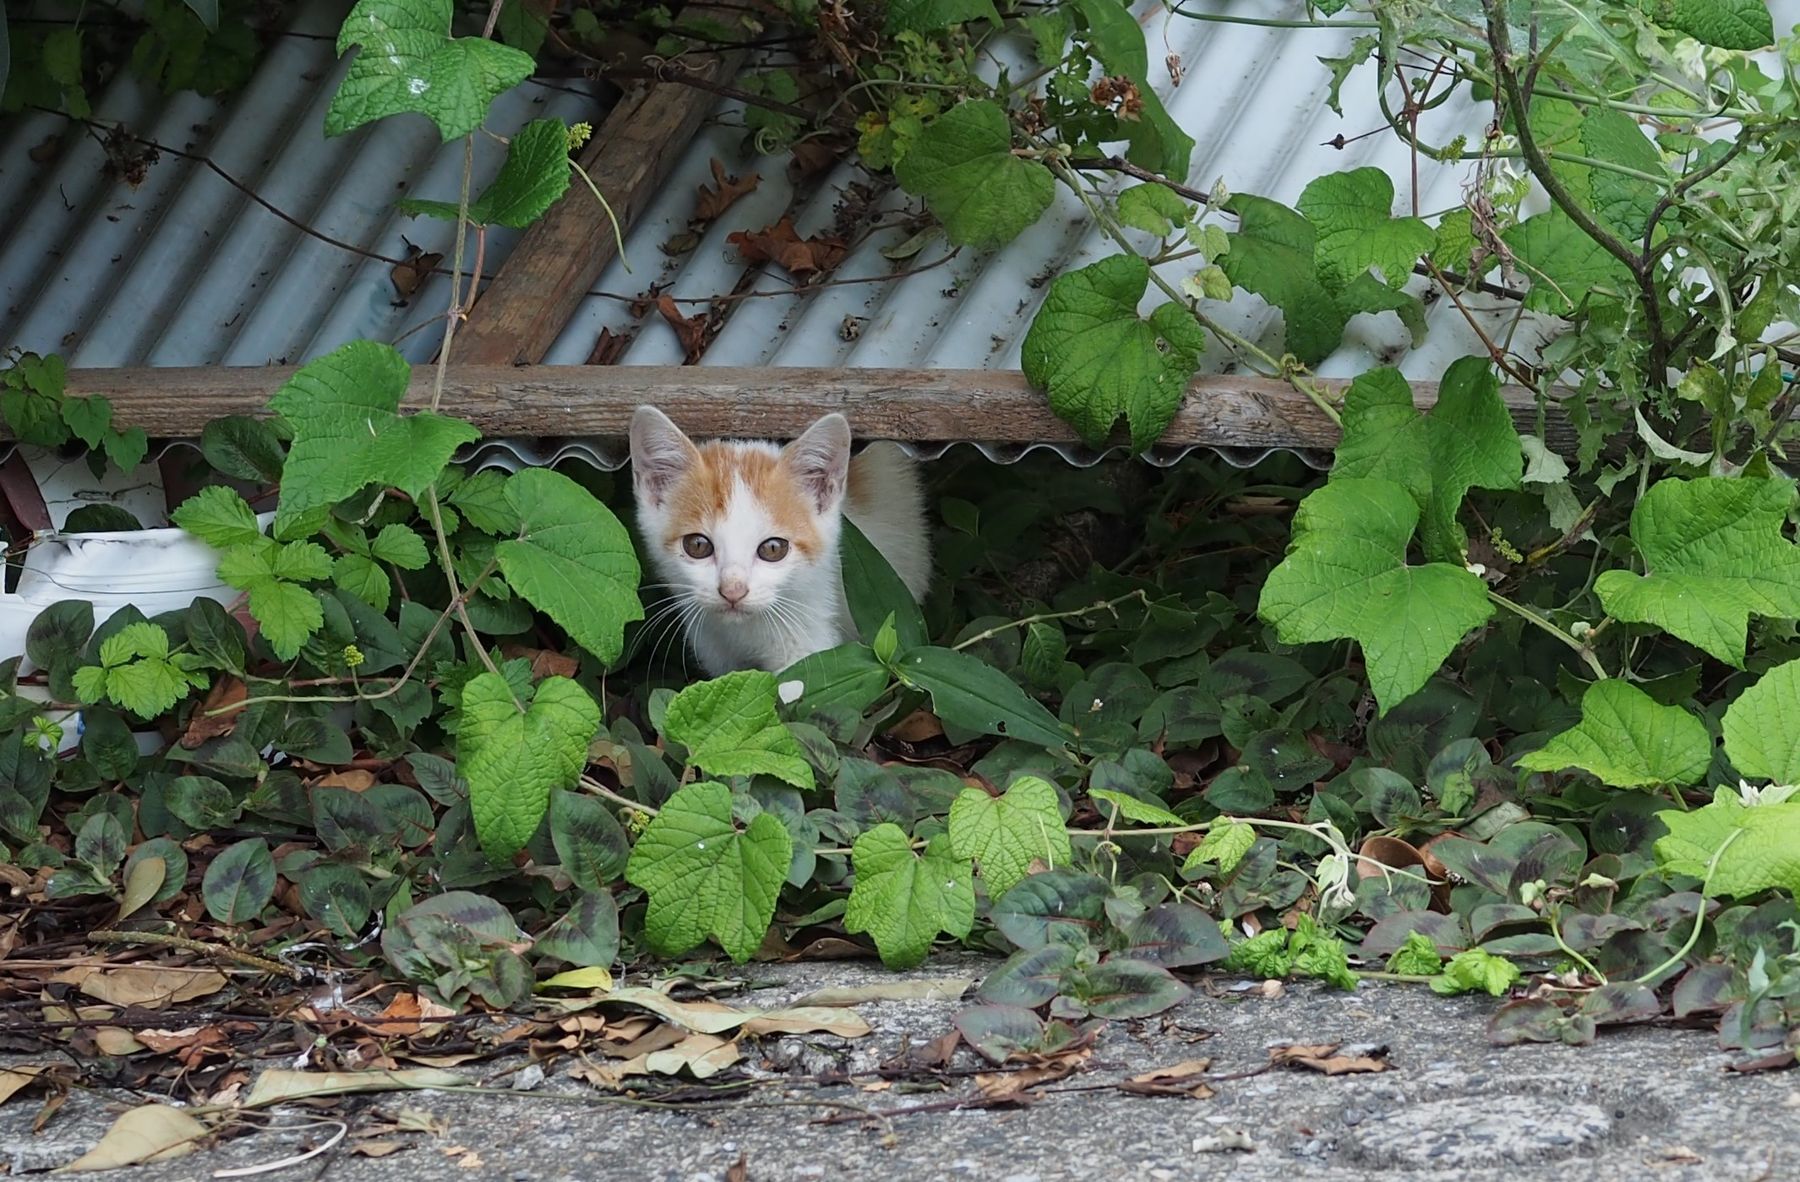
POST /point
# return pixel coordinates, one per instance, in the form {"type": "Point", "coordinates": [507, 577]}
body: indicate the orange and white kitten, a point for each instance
{"type": "Point", "coordinates": [745, 534]}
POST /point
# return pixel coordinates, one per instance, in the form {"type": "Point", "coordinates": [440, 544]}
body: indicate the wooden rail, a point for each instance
{"type": "Point", "coordinates": [920, 405]}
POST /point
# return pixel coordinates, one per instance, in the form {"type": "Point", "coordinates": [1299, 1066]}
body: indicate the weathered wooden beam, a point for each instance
{"type": "Point", "coordinates": [921, 405]}
{"type": "Point", "coordinates": [523, 311]}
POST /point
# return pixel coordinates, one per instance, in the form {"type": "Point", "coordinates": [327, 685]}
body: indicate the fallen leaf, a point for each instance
{"type": "Point", "coordinates": [689, 330]}
{"type": "Point", "coordinates": [279, 1085]}
{"type": "Point", "coordinates": [544, 662]}
{"type": "Point", "coordinates": [609, 346]}
{"type": "Point", "coordinates": [226, 692]}
{"type": "Point", "coordinates": [711, 1017]}
{"type": "Point", "coordinates": [115, 1041]}
{"type": "Point", "coordinates": [1014, 1086]}
{"type": "Point", "coordinates": [781, 244]}
{"type": "Point", "coordinates": [902, 989]}
{"type": "Point", "coordinates": [1330, 1058]}
{"type": "Point", "coordinates": [155, 1132]}
{"type": "Point", "coordinates": [808, 1020]}
{"type": "Point", "coordinates": [414, 269]}
{"type": "Point", "coordinates": [714, 202]}
{"type": "Point", "coordinates": [45, 149]}
{"type": "Point", "coordinates": [917, 727]}
{"type": "Point", "coordinates": [141, 884]}
{"type": "Point", "coordinates": [13, 1079]}
{"type": "Point", "coordinates": [150, 989]}
{"type": "Point", "coordinates": [1675, 1155]}
{"type": "Point", "coordinates": [594, 978]}
{"type": "Point", "coordinates": [377, 1148]}
{"type": "Point", "coordinates": [702, 1055]}
{"type": "Point", "coordinates": [739, 1170]}
{"type": "Point", "coordinates": [356, 779]}
{"type": "Point", "coordinates": [1177, 1079]}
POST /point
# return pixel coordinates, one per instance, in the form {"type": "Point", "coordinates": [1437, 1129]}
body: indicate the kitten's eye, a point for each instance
{"type": "Point", "coordinates": [697, 546]}
{"type": "Point", "coordinates": [772, 549]}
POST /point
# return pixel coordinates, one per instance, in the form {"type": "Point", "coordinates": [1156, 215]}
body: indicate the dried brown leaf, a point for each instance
{"type": "Point", "coordinates": [155, 1132]}
{"type": "Point", "coordinates": [226, 692]}
{"type": "Point", "coordinates": [781, 244]}
{"type": "Point", "coordinates": [15, 1079]}
{"type": "Point", "coordinates": [715, 201]}
{"type": "Point", "coordinates": [146, 988]}
{"type": "Point", "coordinates": [1325, 1057]}
{"type": "Point", "coordinates": [1185, 1078]}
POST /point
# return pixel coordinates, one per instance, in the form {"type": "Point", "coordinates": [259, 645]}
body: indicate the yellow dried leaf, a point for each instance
{"type": "Point", "coordinates": [155, 1132]}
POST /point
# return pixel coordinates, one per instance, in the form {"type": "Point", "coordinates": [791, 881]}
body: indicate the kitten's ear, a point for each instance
{"type": "Point", "coordinates": [820, 461]}
{"type": "Point", "coordinates": [660, 453]}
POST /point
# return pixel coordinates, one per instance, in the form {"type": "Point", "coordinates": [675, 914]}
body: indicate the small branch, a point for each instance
{"type": "Point", "coordinates": [216, 951]}
{"type": "Point", "coordinates": [1683, 186]}
{"type": "Point", "coordinates": [1524, 613]}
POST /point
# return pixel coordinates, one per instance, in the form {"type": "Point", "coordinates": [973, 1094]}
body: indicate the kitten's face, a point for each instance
{"type": "Point", "coordinates": [740, 529]}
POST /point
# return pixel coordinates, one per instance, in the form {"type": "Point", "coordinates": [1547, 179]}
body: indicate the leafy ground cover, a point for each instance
{"type": "Point", "coordinates": [1469, 711]}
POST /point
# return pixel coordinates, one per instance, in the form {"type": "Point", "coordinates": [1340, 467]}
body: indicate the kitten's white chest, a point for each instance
{"type": "Point", "coordinates": [769, 641]}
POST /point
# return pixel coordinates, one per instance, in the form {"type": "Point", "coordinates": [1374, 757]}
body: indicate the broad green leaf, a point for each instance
{"type": "Point", "coordinates": [848, 676]}
{"type": "Point", "coordinates": [244, 447]}
{"type": "Point", "coordinates": [1133, 809]}
{"type": "Point", "coordinates": [409, 62]}
{"type": "Point", "coordinates": [481, 499]}
{"type": "Point", "coordinates": [1097, 359]}
{"type": "Point", "coordinates": [1472, 970]}
{"type": "Point", "coordinates": [239, 882]}
{"type": "Point", "coordinates": [348, 432]}
{"type": "Point", "coordinates": [1274, 255]}
{"type": "Point", "coordinates": [1352, 216]}
{"type": "Point", "coordinates": [1004, 834]}
{"type": "Point", "coordinates": [535, 175]}
{"type": "Point", "coordinates": [730, 728]}
{"type": "Point", "coordinates": [289, 615]}
{"type": "Point", "coordinates": [89, 418]}
{"type": "Point", "coordinates": [1764, 849]}
{"type": "Point", "coordinates": [928, 16]}
{"type": "Point", "coordinates": [1466, 441]}
{"type": "Point", "coordinates": [1627, 740]}
{"type": "Point", "coordinates": [706, 877]}
{"type": "Point", "coordinates": [875, 592]}
{"type": "Point", "coordinates": [969, 693]}
{"type": "Point", "coordinates": [1728, 24]}
{"type": "Point", "coordinates": [1762, 728]}
{"type": "Point", "coordinates": [364, 579]}
{"type": "Point", "coordinates": [1153, 208]}
{"type": "Point", "coordinates": [513, 760]}
{"type": "Point", "coordinates": [1157, 143]}
{"type": "Point", "coordinates": [1565, 265]}
{"type": "Point", "coordinates": [1345, 577]}
{"type": "Point", "coordinates": [1224, 845]}
{"type": "Point", "coordinates": [59, 632]}
{"type": "Point", "coordinates": [904, 900]}
{"type": "Point", "coordinates": [1715, 555]}
{"type": "Point", "coordinates": [1622, 203]}
{"type": "Point", "coordinates": [219, 517]}
{"type": "Point", "coordinates": [573, 560]}
{"type": "Point", "coordinates": [137, 672]}
{"type": "Point", "coordinates": [964, 168]}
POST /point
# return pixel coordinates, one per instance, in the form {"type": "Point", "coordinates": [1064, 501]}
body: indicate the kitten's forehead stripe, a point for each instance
{"type": "Point", "coordinates": [703, 494]}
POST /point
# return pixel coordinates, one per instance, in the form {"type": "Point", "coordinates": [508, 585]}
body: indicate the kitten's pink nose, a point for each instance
{"type": "Point", "coordinates": [732, 591]}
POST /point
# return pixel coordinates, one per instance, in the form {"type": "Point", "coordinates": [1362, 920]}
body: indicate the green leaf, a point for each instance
{"type": "Point", "coordinates": [875, 592]}
{"type": "Point", "coordinates": [976, 696]}
{"type": "Point", "coordinates": [207, 11]}
{"type": "Point", "coordinates": [1359, 52]}
{"type": "Point", "coordinates": [524, 24]}
{"type": "Point", "coordinates": [847, 676]}
{"type": "Point", "coordinates": [239, 882]}
{"type": "Point", "coordinates": [1762, 728]}
{"type": "Point", "coordinates": [244, 447]}
{"type": "Point", "coordinates": [481, 499]}
{"type": "Point", "coordinates": [964, 168]}
{"type": "Point", "coordinates": [1224, 845]}
{"type": "Point", "coordinates": [1728, 24]}
{"type": "Point", "coordinates": [1097, 359]}
{"type": "Point", "coordinates": [1352, 217]}
{"type": "Point", "coordinates": [1565, 265]}
{"type": "Point", "coordinates": [300, 562]}
{"type": "Point", "coordinates": [904, 900]}
{"type": "Point", "coordinates": [1274, 255]}
{"type": "Point", "coordinates": [1134, 809]}
{"type": "Point", "coordinates": [400, 545]}
{"type": "Point", "coordinates": [1474, 970]}
{"type": "Point", "coordinates": [289, 615]}
{"type": "Point", "coordinates": [573, 561]}
{"type": "Point", "coordinates": [1764, 849]}
{"type": "Point", "coordinates": [364, 579]}
{"type": "Point", "coordinates": [513, 760]}
{"type": "Point", "coordinates": [1006, 833]}
{"type": "Point", "coordinates": [348, 432]}
{"type": "Point", "coordinates": [730, 728]}
{"type": "Point", "coordinates": [1153, 208]}
{"type": "Point", "coordinates": [705, 877]}
{"type": "Point", "coordinates": [409, 62]}
{"type": "Point", "coordinates": [928, 16]}
{"type": "Point", "coordinates": [1466, 441]}
{"type": "Point", "coordinates": [1346, 577]}
{"type": "Point", "coordinates": [219, 517]}
{"type": "Point", "coordinates": [1621, 203]}
{"type": "Point", "coordinates": [1715, 555]}
{"type": "Point", "coordinates": [1418, 957]}
{"type": "Point", "coordinates": [1627, 740]}
{"type": "Point", "coordinates": [536, 174]}
{"type": "Point", "coordinates": [59, 633]}
{"type": "Point", "coordinates": [89, 418]}
{"type": "Point", "coordinates": [1118, 41]}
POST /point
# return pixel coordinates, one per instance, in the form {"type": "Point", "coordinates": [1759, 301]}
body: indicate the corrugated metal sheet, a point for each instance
{"type": "Point", "coordinates": [186, 270]}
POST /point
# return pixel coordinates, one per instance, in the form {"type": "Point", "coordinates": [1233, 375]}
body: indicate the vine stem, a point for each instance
{"type": "Point", "coordinates": [1680, 954]}
{"type": "Point", "coordinates": [1044, 617]}
{"type": "Point", "coordinates": [599, 789]}
{"type": "Point", "coordinates": [217, 951]}
{"type": "Point", "coordinates": [1269, 22]}
{"type": "Point", "coordinates": [1531, 617]}
{"type": "Point", "coordinates": [1584, 962]}
{"type": "Point", "coordinates": [1235, 341]}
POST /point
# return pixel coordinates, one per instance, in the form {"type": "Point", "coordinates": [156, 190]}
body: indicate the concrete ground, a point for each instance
{"type": "Point", "coordinates": [1644, 1103]}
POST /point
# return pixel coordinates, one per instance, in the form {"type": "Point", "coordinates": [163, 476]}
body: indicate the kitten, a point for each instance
{"type": "Point", "coordinates": [746, 534]}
